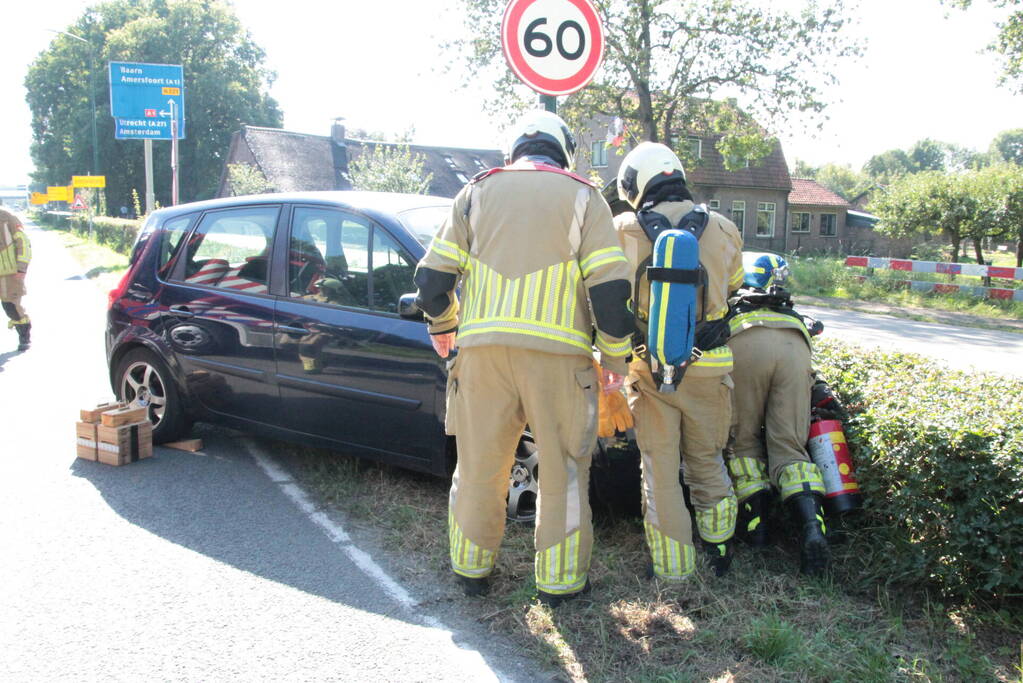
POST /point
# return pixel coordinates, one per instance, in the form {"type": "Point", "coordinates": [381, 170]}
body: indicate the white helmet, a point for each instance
{"type": "Point", "coordinates": [542, 126]}
{"type": "Point", "coordinates": [646, 167]}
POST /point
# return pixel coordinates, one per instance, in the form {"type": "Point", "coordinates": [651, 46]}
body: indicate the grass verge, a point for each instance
{"type": "Point", "coordinates": [762, 622]}
{"type": "Point", "coordinates": [100, 263]}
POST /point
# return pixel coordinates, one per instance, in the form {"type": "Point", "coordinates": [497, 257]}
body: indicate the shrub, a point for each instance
{"type": "Point", "coordinates": [117, 233]}
{"type": "Point", "coordinates": [940, 461]}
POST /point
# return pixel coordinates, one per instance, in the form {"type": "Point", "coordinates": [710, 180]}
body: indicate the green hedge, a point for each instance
{"type": "Point", "coordinates": [939, 457]}
{"type": "Point", "coordinates": [117, 233]}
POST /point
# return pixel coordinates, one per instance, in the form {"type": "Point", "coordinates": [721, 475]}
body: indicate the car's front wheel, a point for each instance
{"type": "Point", "coordinates": [142, 378]}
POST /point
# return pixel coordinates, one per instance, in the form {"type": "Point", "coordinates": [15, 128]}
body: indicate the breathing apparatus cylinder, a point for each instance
{"type": "Point", "coordinates": [830, 452]}
{"type": "Point", "coordinates": [673, 277]}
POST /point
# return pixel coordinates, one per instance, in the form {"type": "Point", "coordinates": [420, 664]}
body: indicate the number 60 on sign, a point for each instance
{"type": "Point", "coordinates": [553, 46]}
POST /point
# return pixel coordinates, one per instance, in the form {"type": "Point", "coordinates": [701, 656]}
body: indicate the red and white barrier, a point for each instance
{"type": "Point", "coordinates": [1004, 272]}
{"type": "Point", "coordinates": [945, 269]}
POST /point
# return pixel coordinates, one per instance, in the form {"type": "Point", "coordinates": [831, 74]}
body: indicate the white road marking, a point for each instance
{"type": "Point", "coordinates": [359, 557]}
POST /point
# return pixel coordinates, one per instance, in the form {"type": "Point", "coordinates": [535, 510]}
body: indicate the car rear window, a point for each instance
{"type": "Point", "coordinates": [173, 231]}
{"type": "Point", "coordinates": [424, 222]}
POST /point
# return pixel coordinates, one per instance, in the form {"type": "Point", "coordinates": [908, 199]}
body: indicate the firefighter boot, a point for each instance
{"type": "Point", "coordinates": [806, 509]}
{"type": "Point", "coordinates": [24, 336]}
{"type": "Point", "coordinates": [751, 525]}
{"type": "Point", "coordinates": [719, 556]}
{"type": "Point", "coordinates": [473, 587]}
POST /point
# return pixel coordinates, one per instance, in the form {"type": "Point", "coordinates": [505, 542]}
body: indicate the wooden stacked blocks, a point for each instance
{"type": "Point", "coordinates": [114, 434]}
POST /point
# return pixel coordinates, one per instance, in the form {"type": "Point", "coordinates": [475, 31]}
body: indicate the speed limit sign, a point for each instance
{"type": "Point", "coordinates": [553, 46]}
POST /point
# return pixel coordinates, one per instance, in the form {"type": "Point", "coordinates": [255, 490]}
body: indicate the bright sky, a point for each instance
{"type": "Point", "coordinates": [377, 63]}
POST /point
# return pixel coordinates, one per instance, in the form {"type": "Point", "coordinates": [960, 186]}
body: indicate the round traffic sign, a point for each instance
{"type": "Point", "coordinates": [553, 46]}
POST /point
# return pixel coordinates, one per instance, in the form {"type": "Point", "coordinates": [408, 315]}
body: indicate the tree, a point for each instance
{"type": "Point", "coordinates": [1008, 146]}
{"type": "Point", "coordinates": [389, 168]}
{"type": "Point", "coordinates": [888, 166]}
{"type": "Point", "coordinates": [1008, 43]}
{"type": "Point", "coordinates": [225, 86]}
{"type": "Point", "coordinates": [927, 202]}
{"type": "Point", "coordinates": [246, 179]}
{"type": "Point", "coordinates": [974, 205]}
{"type": "Point", "coordinates": [670, 68]}
{"type": "Point", "coordinates": [843, 180]}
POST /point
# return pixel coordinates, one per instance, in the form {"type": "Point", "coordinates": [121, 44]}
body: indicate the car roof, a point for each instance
{"type": "Point", "coordinates": [380, 202]}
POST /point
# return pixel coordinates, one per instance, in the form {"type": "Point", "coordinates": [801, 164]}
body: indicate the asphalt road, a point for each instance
{"type": "Point", "coordinates": [962, 348]}
{"type": "Point", "coordinates": [182, 566]}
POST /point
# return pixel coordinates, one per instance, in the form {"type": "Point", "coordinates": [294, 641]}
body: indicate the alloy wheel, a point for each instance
{"type": "Point", "coordinates": [142, 385]}
{"type": "Point", "coordinates": [523, 486]}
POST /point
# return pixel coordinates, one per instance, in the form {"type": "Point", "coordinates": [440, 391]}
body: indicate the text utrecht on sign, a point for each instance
{"type": "Point", "coordinates": [140, 100]}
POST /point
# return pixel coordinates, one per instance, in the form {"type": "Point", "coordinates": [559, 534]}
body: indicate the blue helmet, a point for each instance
{"type": "Point", "coordinates": [763, 270]}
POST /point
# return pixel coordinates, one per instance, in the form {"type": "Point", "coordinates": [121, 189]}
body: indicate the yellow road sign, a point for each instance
{"type": "Point", "coordinates": [171, 91]}
{"type": "Point", "coordinates": [88, 181]}
{"type": "Point", "coordinates": [60, 193]}
{"type": "Point", "coordinates": [39, 198]}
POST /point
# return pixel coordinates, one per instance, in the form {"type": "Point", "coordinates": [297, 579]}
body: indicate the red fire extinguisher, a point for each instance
{"type": "Point", "coordinates": [830, 452]}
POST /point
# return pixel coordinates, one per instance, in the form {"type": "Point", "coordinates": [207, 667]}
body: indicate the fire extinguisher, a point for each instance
{"type": "Point", "coordinates": [830, 452]}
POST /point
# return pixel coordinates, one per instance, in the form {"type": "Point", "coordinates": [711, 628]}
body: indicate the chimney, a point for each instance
{"type": "Point", "coordinates": [337, 131]}
{"type": "Point", "coordinates": [339, 154]}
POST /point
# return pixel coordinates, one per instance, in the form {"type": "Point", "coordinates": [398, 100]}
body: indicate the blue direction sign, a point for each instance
{"type": "Point", "coordinates": [143, 97]}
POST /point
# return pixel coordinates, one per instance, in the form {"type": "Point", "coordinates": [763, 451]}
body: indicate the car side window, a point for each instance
{"type": "Point", "coordinates": [328, 260]}
{"type": "Point", "coordinates": [392, 272]}
{"type": "Point", "coordinates": [341, 258]}
{"type": "Point", "coordinates": [231, 249]}
{"type": "Point", "coordinates": [171, 234]}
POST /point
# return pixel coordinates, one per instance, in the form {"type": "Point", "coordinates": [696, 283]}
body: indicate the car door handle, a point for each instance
{"type": "Point", "coordinates": [181, 312]}
{"type": "Point", "coordinates": [287, 329]}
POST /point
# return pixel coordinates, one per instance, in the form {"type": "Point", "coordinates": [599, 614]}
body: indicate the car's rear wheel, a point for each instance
{"type": "Point", "coordinates": [523, 487]}
{"type": "Point", "coordinates": [142, 378]}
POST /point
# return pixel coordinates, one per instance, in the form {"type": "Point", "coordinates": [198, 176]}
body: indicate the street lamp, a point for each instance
{"type": "Point", "coordinates": [92, 95]}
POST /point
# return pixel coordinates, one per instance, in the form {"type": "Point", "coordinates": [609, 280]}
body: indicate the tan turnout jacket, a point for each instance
{"type": "Point", "coordinates": [15, 254]}
{"type": "Point", "coordinates": [527, 247]}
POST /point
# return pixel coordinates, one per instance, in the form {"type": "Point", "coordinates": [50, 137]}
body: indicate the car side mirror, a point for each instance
{"type": "Point", "coordinates": [408, 308]}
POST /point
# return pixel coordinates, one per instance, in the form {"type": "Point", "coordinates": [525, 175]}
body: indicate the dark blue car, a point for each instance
{"type": "Point", "coordinates": [292, 315]}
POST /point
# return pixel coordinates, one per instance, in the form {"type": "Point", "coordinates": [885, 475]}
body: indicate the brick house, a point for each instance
{"type": "Point", "coordinates": [295, 162]}
{"type": "Point", "coordinates": [754, 197]}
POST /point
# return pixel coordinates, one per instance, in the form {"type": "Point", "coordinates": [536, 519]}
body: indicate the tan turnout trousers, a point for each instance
{"type": "Point", "coordinates": [493, 393]}
{"type": "Point", "coordinates": [693, 420]}
{"type": "Point", "coordinates": [773, 376]}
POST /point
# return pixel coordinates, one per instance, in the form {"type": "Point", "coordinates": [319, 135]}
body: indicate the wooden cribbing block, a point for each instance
{"type": "Point", "coordinates": [190, 445]}
{"type": "Point", "coordinates": [123, 416]}
{"type": "Point", "coordinates": [85, 437]}
{"type": "Point", "coordinates": [125, 443]}
{"type": "Point", "coordinates": [93, 414]}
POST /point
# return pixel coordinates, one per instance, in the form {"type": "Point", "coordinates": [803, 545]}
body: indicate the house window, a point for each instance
{"type": "Point", "coordinates": [451, 161]}
{"type": "Point", "coordinates": [736, 162]}
{"type": "Point", "coordinates": [765, 219]}
{"type": "Point", "coordinates": [598, 154]}
{"type": "Point", "coordinates": [714, 204]}
{"type": "Point", "coordinates": [739, 214]}
{"type": "Point", "coordinates": [799, 221]}
{"type": "Point", "coordinates": [461, 177]}
{"type": "Point", "coordinates": [695, 146]}
{"type": "Point", "coordinates": [479, 163]}
{"type": "Point", "coordinates": [829, 224]}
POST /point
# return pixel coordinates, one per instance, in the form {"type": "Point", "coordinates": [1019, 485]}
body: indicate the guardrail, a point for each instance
{"type": "Point", "coordinates": [938, 268]}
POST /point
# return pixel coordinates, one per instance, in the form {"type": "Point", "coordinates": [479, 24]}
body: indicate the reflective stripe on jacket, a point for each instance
{"type": "Point", "coordinates": [767, 317]}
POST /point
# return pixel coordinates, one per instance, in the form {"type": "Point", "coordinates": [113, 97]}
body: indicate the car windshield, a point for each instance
{"type": "Point", "coordinates": [424, 222]}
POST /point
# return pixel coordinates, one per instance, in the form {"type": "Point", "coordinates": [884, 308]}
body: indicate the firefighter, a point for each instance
{"type": "Point", "coordinates": [771, 348]}
{"type": "Point", "coordinates": [15, 254]}
{"type": "Point", "coordinates": [695, 418]}
{"type": "Point", "coordinates": [532, 248]}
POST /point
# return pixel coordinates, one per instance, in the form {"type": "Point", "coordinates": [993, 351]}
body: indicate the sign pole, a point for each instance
{"type": "Point", "coordinates": [174, 151]}
{"type": "Point", "coordinates": [150, 194]}
{"type": "Point", "coordinates": [550, 103]}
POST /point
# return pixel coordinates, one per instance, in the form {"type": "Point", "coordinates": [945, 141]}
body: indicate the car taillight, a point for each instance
{"type": "Point", "coordinates": [118, 291]}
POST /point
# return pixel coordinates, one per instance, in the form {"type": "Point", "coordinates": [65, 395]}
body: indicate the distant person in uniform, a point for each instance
{"type": "Point", "coordinates": [15, 254]}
